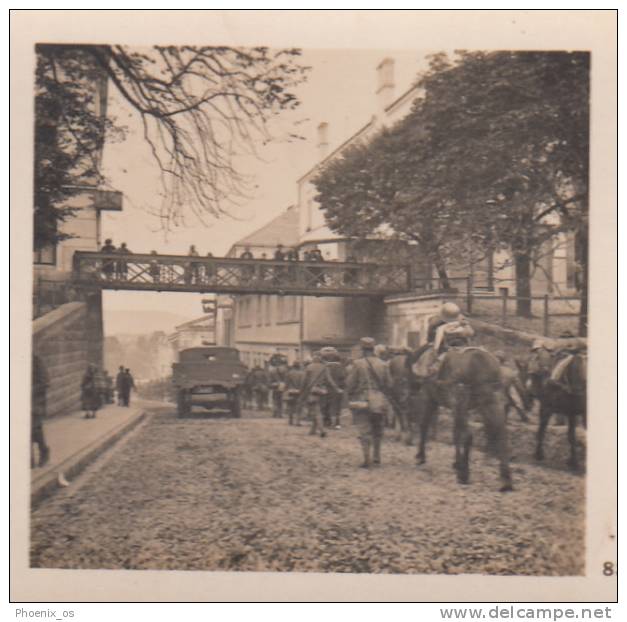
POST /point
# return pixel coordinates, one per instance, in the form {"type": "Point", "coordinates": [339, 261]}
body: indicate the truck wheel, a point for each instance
{"type": "Point", "coordinates": [236, 406]}
{"type": "Point", "coordinates": [183, 403]}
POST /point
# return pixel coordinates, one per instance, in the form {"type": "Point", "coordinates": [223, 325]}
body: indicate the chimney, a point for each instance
{"type": "Point", "coordinates": [385, 84]}
{"type": "Point", "coordinates": [323, 140]}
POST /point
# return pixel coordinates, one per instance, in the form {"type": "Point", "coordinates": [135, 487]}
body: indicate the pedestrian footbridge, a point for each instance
{"type": "Point", "coordinates": [224, 275]}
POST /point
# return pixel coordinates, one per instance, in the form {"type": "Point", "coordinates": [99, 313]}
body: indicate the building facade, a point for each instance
{"type": "Point", "coordinates": [261, 325]}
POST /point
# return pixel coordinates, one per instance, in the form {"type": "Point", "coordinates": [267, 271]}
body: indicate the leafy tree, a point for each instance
{"type": "Point", "coordinates": [494, 154]}
{"type": "Point", "coordinates": [201, 109]}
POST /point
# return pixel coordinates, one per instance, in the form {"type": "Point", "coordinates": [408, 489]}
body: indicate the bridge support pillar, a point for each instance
{"type": "Point", "coordinates": [95, 328]}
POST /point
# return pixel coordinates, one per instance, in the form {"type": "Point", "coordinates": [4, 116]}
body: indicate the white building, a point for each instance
{"type": "Point", "coordinates": [260, 325]}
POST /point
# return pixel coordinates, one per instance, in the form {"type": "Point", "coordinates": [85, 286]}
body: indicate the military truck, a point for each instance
{"type": "Point", "coordinates": [210, 377]}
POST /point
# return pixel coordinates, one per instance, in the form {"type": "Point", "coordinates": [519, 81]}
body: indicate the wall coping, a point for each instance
{"type": "Point", "coordinates": [56, 315]}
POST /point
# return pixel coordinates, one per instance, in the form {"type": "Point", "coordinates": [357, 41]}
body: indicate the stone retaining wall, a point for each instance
{"type": "Point", "coordinates": [61, 339]}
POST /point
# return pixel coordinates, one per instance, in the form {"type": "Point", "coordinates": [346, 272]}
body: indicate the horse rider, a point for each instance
{"type": "Point", "coordinates": [317, 384]}
{"type": "Point", "coordinates": [367, 383]}
{"type": "Point", "coordinates": [278, 373]}
{"type": "Point", "coordinates": [294, 381]}
{"type": "Point", "coordinates": [448, 329]}
{"type": "Point", "coordinates": [332, 402]}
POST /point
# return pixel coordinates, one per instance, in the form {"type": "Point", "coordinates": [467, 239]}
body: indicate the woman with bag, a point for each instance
{"type": "Point", "coordinates": [368, 382]}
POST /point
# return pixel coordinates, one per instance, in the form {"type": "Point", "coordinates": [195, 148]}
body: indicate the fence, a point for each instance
{"type": "Point", "coordinates": [549, 315]}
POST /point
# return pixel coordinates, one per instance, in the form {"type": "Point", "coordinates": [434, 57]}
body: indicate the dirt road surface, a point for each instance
{"type": "Point", "coordinates": [257, 494]}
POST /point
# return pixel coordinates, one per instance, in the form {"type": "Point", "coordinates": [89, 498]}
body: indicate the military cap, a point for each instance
{"type": "Point", "coordinates": [367, 342]}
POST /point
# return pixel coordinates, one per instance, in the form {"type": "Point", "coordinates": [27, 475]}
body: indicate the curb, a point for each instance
{"type": "Point", "coordinates": [45, 485]}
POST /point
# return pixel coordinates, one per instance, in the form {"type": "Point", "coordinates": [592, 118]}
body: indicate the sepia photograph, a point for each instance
{"type": "Point", "coordinates": [311, 309]}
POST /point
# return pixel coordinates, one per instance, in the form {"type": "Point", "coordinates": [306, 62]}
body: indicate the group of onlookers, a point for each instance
{"type": "Point", "coordinates": [199, 271]}
{"type": "Point", "coordinates": [96, 390]}
{"type": "Point", "coordinates": [117, 268]}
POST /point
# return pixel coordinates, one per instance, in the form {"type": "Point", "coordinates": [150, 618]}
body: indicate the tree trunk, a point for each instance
{"type": "Point", "coordinates": [522, 263]}
{"type": "Point", "coordinates": [441, 268]}
{"type": "Point", "coordinates": [581, 245]}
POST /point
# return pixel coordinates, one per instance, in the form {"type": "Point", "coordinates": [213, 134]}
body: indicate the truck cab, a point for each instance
{"type": "Point", "coordinates": [210, 377]}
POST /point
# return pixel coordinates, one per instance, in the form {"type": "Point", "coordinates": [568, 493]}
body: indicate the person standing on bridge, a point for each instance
{"type": "Point", "coordinates": [367, 383]}
{"type": "Point", "coordinates": [209, 268]}
{"type": "Point", "coordinates": [154, 269]}
{"type": "Point", "coordinates": [121, 265]}
{"type": "Point", "coordinates": [192, 268]}
{"type": "Point", "coordinates": [108, 265]}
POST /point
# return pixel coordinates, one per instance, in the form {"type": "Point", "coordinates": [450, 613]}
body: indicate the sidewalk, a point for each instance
{"type": "Point", "coordinates": [75, 442]}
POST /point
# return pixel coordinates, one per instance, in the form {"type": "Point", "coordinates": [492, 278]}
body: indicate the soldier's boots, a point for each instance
{"type": "Point", "coordinates": [365, 446]}
{"type": "Point", "coordinates": [376, 452]}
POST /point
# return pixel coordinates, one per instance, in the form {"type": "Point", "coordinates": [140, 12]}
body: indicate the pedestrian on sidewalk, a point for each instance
{"type": "Point", "coordinates": [119, 382]}
{"type": "Point", "coordinates": [128, 383]}
{"type": "Point", "coordinates": [91, 393]}
{"type": "Point", "coordinates": [39, 388]}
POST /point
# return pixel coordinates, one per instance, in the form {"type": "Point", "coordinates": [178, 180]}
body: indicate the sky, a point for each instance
{"type": "Point", "coordinates": [340, 90]}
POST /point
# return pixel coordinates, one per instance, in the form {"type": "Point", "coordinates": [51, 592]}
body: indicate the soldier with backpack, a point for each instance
{"type": "Point", "coordinates": [368, 382]}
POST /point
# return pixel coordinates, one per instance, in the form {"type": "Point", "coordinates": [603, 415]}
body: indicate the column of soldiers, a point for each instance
{"type": "Point", "coordinates": [329, 384]}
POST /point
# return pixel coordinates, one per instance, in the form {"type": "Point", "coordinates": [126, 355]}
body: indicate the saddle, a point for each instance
{"type": "Point", "coordinates": [428, 362]}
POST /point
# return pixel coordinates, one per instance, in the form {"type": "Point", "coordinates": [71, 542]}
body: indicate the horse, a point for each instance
{"type": "Point", "coordinates": [467, 378]}
{"type": "Point", "coordinates": [564, 397]}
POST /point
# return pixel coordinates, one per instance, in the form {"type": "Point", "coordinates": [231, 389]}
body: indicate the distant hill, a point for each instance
{"type": "Point", "coordinates": [134, 322]}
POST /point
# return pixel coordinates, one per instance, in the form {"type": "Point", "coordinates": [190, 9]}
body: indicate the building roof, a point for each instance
{"type": "Point", "coordinates": [200, 323]}
{"type": "Point", "coordinates": [281, 230]}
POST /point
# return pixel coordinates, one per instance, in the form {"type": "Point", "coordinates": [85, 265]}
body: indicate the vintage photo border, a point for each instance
{"type": "Point", "coordinates": [419, 30]}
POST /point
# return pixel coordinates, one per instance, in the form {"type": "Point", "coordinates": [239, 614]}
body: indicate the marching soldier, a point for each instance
{"type": "Point", "coordinates": [317, 384]}
{"type": "Point", "coordinates": [332, 402]}
{"type": "Point", "coordinates": [293, 386]}
{"type": "Point", "coordinates": [258, 379]}
{"type": "Point", "coordinates": [367, 383]}
{"type": "Point", "coordinates": [278, 373]}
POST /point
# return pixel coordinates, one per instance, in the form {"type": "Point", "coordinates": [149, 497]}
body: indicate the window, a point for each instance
{"type": "Point", "coordinates": [46, 255]}
{"type": "Point", "coordinates": [268, 310]}
{"type": "Point", "coordinates": [259, 310]}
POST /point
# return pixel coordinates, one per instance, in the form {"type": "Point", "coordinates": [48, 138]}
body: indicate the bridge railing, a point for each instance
{"type": "Point", "coordinates": [238, 276]}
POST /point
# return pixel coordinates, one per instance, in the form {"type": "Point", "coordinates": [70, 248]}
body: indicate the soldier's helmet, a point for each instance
{"type": "Point", "coordinates": [380, 350]}
{"type": "Point", "coordinates": [450, 312]}
{"type": "Point", "coordinates": [366, 343]}
{"type": "Point", "coordinates": [329, 354]}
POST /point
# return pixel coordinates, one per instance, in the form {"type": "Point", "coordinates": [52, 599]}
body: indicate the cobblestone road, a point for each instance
{"type": "Point", "coordinates": [256, 494]}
